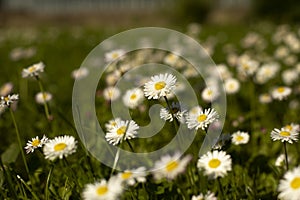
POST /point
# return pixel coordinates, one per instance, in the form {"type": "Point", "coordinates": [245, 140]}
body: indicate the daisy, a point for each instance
{"type": "Point", "coordinates": [114, 55]}
{"type": "Point", "coordinates": [170, 166]}
{"type": "Point", "coordinates": [292, 127]}
{"type": "Point", "coordinates": [195, 110]}
{"type": "Point", "coordinates": [133, 98]}
{"type": "Point", "coordinates": [80, 73]}
{"type": "Point", "coordinates": [281, 93]}
{"type": "Point", "coordinates": [284, 135]}
{"type": "Point", "coordinates": [290, 76]}
{"type": "Point", "coordinates": [240, 137]}
{"type": "Point", "coordinates": [171, 59]}
{"type": "Point", "coordinates": [247, 66]}
{"type": "Point", "coordinates": [202, 119]}
{"type": "Point", "coordinates": [6, 89]}
{"type": "Point", "coordinates": [130, 177]}
{"type": "Point", "coordinates": [266, 72]}
{"type": "Point", "coordinates": [208, 196]}
{"type": "Point", "coordinates": [232, 86]}
{"type": "Point", "coordinates": [123, 130]}
{"type": "Point", "coordinates": [103, 190]}
{"type": "Point", "coordinates": [112, 123]}
{"type": "Point", "coordinates": [159, 86]}
{"type": "Point", "coordinates": [210, 94]}
{"type": "Point", "coordinates": [289, 186]}
{"type": "Point", "coordinates": [111, 93]}
{"type": "Point", "coordinates": [33, 70]}
{"type": "Point", "coordinates": [35, 143]}
{"type": "Point", "coordinates": [215, 164]}
{"type": "Point", "coordinates": [166, 114]}
{"type": "Point", "coordinates": [60, 147]}
{"type": "Point", "coordinates": [280, 160]}
{"type": "Point", "coordinates": [42, 98]}
{"type": "Point", "coordinates": [6, 101]}
{"type": "Point", "coordinates": [265, 98]}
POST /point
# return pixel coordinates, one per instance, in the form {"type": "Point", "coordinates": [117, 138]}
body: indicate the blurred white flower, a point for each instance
{"type": "Point", "coordinates": [281, 93]}
{"type": "Point", "coordinates": [130, 177]}
{"type": "Point", "coordinates": [42, 98]}
{"type": "Point", "coordinates": [265, 98]}
{"type": "Point", "coordinates": [266, 72]}
{"type": "Point", "coordinates": [80, 73]}
{"type": "Point", "coordinates": [111, 93]}
{"type": "Point", "coordinates": [103, 190]}
{"type": "Point", "coordinates": [289, 76]}
{"type": "Point", "coordinates": [133, 98]}
{"type": "Point", "coordinates": [179, 114]}
{"type": "Point", "coordinates": [170, 166]}
{"type": "Point", "coordinates": [208, 196]}
{"type": "Point", "coordinates": [240, 137]}
{"type": "Point", "coordinates": [6, 89]}
{"type": "Point", "coordinates": [114, 55]}
{"type": "Point", "coordinates": [33, 70]}
{"type": "Point", "coordinates": [232, 86]}
{"type": "Point", "coordinates": [210, 94]}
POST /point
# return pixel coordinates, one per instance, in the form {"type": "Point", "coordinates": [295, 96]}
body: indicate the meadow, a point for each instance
{"type": "Point", "coordinates": [259, 66]}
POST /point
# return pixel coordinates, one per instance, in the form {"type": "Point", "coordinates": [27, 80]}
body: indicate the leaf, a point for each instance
{"type": "Point", "coordinates": [11, 154]}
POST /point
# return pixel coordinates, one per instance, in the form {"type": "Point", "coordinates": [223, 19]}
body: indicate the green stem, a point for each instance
{"type": "Point", "coordinates": [220, 188]}
{"type": "Point", "coordinates": [28, 188]}
{"type": "Point", "coordinates": [45, 103]}
{"type": "Point", "coordinates": [8, 178]}
{"type": "Point", "coordinates": [48, 182]}
{"type": "Point", "coordinates": [115, 162]}
{"type": "Point", "coordinates": [130, 146]}
{"type": "Point", "coordinates": [19, 140]}
{"type": "Point", "coordinates": [286, 156]}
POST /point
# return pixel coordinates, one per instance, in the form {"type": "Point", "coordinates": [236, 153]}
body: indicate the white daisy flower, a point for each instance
{"type": "Point", "coordinates": [208, 196]}
{"type": "Point", "coordinates": [265, 98]}
{"type": "Point", "coordinates": [33, 70]}
{"type": "Point", "coordinates": [124, 130]}
{"type": "Point", "coordinates": [60, 147]}
{"type": "Point", "coordinates": [112, 123]}
{"type": "Point", "coordinates": [247, 66]}
{"type": "Point", "coordinates": [6, 89]}
{"type": "Point", "coordinates": [280, 160]}
{"type": "Point", "coordinates": [202, 119]}
{"type": "Point", "coordinates": [281, 93]}
{"type": "Point", "coordinates": [130, 177]}
{"type": "Point", "coordinates": [159, 86]}
{"type": "Point", "coordinates": [42, 98]}
{"type": "Point", "coordinates": [111, 93]}
{"type": "Point", "coordinates": [266, 72]}
{"type": "Point", "coordinates": [35, 143]}
{"type": "Point", "coordinates": [171, 59]}
{"type": "Point", "coordinates": [103, 190]}
{"type": "Point", "coordinates": [170, 166]}
{"type": "Point", "coordinates": [6, 101]}
{"type": "Point", "coordinates": [215, 164]}
{"type": "Point", "coordinates": [114, 55]}
{"type": "Point", "coordinates": [210, 94]}
{"type": "Point", "coordinates": [166, 114]}
{"type": "Point", "coordinates": [240, 137]}
{"type": "Point", "coordinates": [80, 73]}
{"type": "Point", "coordinates": [223, 71]}
{"type": "Point", "coordinates": [232, 86]}
{"type": "Point", "coordinates": [289, 186]}
{"type": "Point", "coordinates": [133, 98]}
{"type": "Point", "coordinates": [195, 110]}
{"type": "Point", "coordinates": [292, 127]}
{"type": "Point", "coordinates": [284, 135]}
{"type": "Point", "coordinates": [289, 76]}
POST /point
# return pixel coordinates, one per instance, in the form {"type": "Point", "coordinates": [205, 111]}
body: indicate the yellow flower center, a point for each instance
{"type": "Point", "coordinates": [133, 96]}
{"type": "Point", "coordinates": [171, 166]}
{"type": "Point", "coordinates": [289, 127]}
{"type": "Point", "coordinates": [295, 183]}
{"type": "Point", "coordinates": [6, 99]}
{"type": "Point", "coordinates": [239, 138]}
{"type": "Point", "coordinates": [102, 190]}
{"type": "Point", "coordinates": [126, 175]}
{"type": "Point", "coordinates": [60, 147]}
{"type": "Point", "coordinates": [121, 130]}
{"type": "Point", "coordinates": [110, 93]}
{"type": "Point", "coordinates": [35, 142]}
{"type": "Point", "coordinates": [115, 55]}
{"type": "Point", "coordinates": [280, 89]}
{"type": "Point", "coordinates": [231, 86]}
{"type": "Point", "coordinates": [201, 118]}
{"type": "Point", "coordinates": [284, 133]}
{"type": "Point", "coordinates": [209, 92]}
{"type": "Point", "coordinates": [214, 163]}
{"type": "Point", "coordinates": [31, 69]}
{"type": "Point", "coordinates": [160, 85]}
{"type": "Point", "coordinates": [45, 96]}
